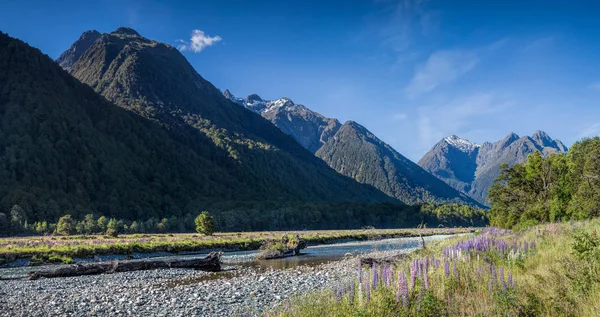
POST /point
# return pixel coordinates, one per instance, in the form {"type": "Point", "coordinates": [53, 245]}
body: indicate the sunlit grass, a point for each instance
{"type": "Point", "coordinates": [536, 272]}
{"type": "Point", "coordinates": [82, 246]}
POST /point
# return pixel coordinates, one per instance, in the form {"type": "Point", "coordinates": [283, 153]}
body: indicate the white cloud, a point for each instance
{"type": "Point", "coordinates": [459, 117]}
{"type": "Point", "coordinates": [441, 67]}
{"type": "Point", "coordinates": [595, 86]}
{"type": "Point", "coordinates": [198, 41]}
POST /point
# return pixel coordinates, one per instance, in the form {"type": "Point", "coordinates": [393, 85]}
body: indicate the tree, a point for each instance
{"type": "Point", "coordinates": [163, 225]}
{"type": "Point", "coordinates": [134, 227]}
{"type": "Point", "coordinates": [102, 223]}
{"type": "Point", "coordinates": [112, 228]}
{"type": "Point", "coordinates": [17, 215]}
{"type": "Point", "coordinates": [65, 225]}
{"type": "Point", "coordinates": [90, 224]}
{"type": "Point", "coordinates": [4, 224]}
{"type": "Point", "coordinates": [205, 223]}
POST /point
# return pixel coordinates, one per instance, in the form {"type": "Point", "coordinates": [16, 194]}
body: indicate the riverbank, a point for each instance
{"type": "Point", "coordinates": [176, 292]}
{"type": "Point", "coordinates": [546, 270]}
{"type": "Point", "coordinates": [12, 249]}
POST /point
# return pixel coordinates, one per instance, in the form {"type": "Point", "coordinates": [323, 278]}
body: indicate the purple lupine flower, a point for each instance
{"type": "Point", "coordinates": [367, 290]}
{"type": "Point", "coordinates": [384, 275]}
{"type": "Point", "coordinates": [494, 278]}
{"type": "Point", "coordinates": [375, 276]}
{"type": "Point", "coordinates": [490, 287]}
{"type": "Point", "coordinates": [413, 277]}
{"type": "Point", "coordinates": [426, 279]}
{"type": "Point", "coordinates": [402, 289]}
{"type": "Point", "coordinates": [351, 293]}
{"type": "Point", "coordinates": [501, 274]}
{"type": "Point", "coordinates": [446, 267]}
{"type": "Point", "coordinates": [359, 272]}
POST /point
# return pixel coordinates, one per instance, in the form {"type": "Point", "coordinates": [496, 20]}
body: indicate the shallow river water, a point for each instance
{"type": "Point", "coordinates": [313, 255]}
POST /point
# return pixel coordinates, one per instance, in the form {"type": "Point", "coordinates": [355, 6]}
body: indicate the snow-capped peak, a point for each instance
{"type": "Point", "coordinates": [461, 144]}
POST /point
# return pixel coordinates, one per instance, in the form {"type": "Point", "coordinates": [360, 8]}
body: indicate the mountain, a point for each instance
{"type": "Point", "coordinates": [155, 81]}
{"type": "Point", "coordinates": [70, 56]}
{"type": "Point", "coordinates": [471, 168]}
{"type": "Point", "coordinates": [307, 127]}
{"type": "Point", "coordinates": [353, 151]}
{"type": "Point", "coordinates": [65, 149]}
{"type": "Point", "coordinates": [357, 153]}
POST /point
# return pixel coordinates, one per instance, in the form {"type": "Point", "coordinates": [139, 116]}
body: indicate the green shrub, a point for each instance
{"type": "Point", "coordinates": [205, 223]}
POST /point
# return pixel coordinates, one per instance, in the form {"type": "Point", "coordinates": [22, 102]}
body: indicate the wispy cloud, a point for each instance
{"type": "Point", "coordinates": [595, 86]}
{"type": "Point", "coordinates": [407, 22]}
{"type": "Point", "coordinates": [539, 43]}
{"type": "Point", "coordinates": [399, 116]}
{"type": "Point", "coordinates": [198, 41]}
{"type": "Point", "coordinates": [441, 67]}
{"type": "Point", "coordinates": [590, 131]}
{"type": "Point", "coordinates": [445, 66]}
{"type": "Point", "coordinates": [457, 117]}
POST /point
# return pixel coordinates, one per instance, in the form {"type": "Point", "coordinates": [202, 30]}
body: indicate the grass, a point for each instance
{"type": "Point", "coordinates": [85, 246]}
{"type": "Point", "coordinates": [548, 270]}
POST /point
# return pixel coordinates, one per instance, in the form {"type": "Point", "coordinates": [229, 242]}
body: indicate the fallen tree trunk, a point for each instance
{"type": "Point", "coordinates": [211, 263]}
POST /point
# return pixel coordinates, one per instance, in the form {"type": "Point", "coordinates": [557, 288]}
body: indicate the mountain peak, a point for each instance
{"type": "Point", "coordinates": [89, 33]}
{"type": "Point", "coordinates": [541, 137]}
{"type": "Point", "coordinates": [126, 31]}
{"type": "Point", "coordinates": [228, 94]}
{"type": "Point", "coordinates": [69, 57]}
{"type": "Point", "coordinates": [254, 97]}
{"type": "Point", "coordinates": [461, 144]}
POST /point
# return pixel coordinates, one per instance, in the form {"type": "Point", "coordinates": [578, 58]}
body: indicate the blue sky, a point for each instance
{"type": "Point", "coordinates": [411, 71]}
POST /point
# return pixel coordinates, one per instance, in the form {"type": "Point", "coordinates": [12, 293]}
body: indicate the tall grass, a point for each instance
{"type": "Point", "coordinates": [549, 270]}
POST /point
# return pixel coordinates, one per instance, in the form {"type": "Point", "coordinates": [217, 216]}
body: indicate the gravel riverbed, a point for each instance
{"type": "Point", "coordinates": [173, 292]}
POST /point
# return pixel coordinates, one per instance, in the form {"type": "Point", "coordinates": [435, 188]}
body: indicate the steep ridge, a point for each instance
{"type": "Point", "coordinates": [471, 168]}
{"type": "Point", "coordinates": [353, 151]}
{"type": "Point", "coordinates": [155, 80]}
{"type": "Point", "coordinates": [70, 56]}
{"type": "Point", "coordinates": [309, 128]}
{"type": "Point", "coordinates": [357, 153]}
{"type": "Point", "coordinates": [65, 149]}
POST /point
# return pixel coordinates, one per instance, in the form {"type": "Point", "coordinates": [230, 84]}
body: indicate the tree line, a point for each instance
{"type": "Point", "coordinates": [548, 189]}
{"type": "Point", "coordinates": [253, 216]}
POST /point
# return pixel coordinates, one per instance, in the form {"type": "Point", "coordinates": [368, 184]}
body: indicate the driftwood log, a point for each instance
{"type": "Point", "coordinates": [211, 263]}
{"type": "Point", "coordinates": [387, 260]}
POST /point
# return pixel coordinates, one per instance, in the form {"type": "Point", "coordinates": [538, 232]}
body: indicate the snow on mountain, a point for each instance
{"type": "Point", "coordinates": [257, 104]}
{"type": "Point", "coordinates": [461, 144]}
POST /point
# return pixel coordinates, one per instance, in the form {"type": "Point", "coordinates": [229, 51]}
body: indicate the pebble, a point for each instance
{"type": "Point", "coordinates": [173, 292]}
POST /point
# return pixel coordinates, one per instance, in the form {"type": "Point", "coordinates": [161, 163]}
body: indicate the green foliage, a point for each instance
{"type": "Point", "coordinates": [41, 259]}
{"type": "Point", "coordinates": [65, 225]}
{"type": "Point", "coordinates": [205, 223]}
{"type": "Point", "coordinates": [557, 188]}
{"type": "Point", "coordinates": [587, 245]}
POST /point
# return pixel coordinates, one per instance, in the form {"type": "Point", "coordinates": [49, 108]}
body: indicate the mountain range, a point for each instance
{"type": "Point", "coordinates": [354, 151]}
{"type": "Point", "coordinates": [150, 138]}
{"type": "Point", "coordinates": [472, 168]}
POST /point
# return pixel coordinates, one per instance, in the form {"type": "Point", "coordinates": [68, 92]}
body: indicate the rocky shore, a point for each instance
{"type": "Point", "coordinates": [173, 292]}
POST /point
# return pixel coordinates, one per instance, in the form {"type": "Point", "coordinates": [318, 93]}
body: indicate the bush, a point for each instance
{"type": "Point", "coordinates": [205, 223]}
{"type": "Point", "coordinates": [65, 226]}
{"type": "Point", "coordinates": [113, 233]}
